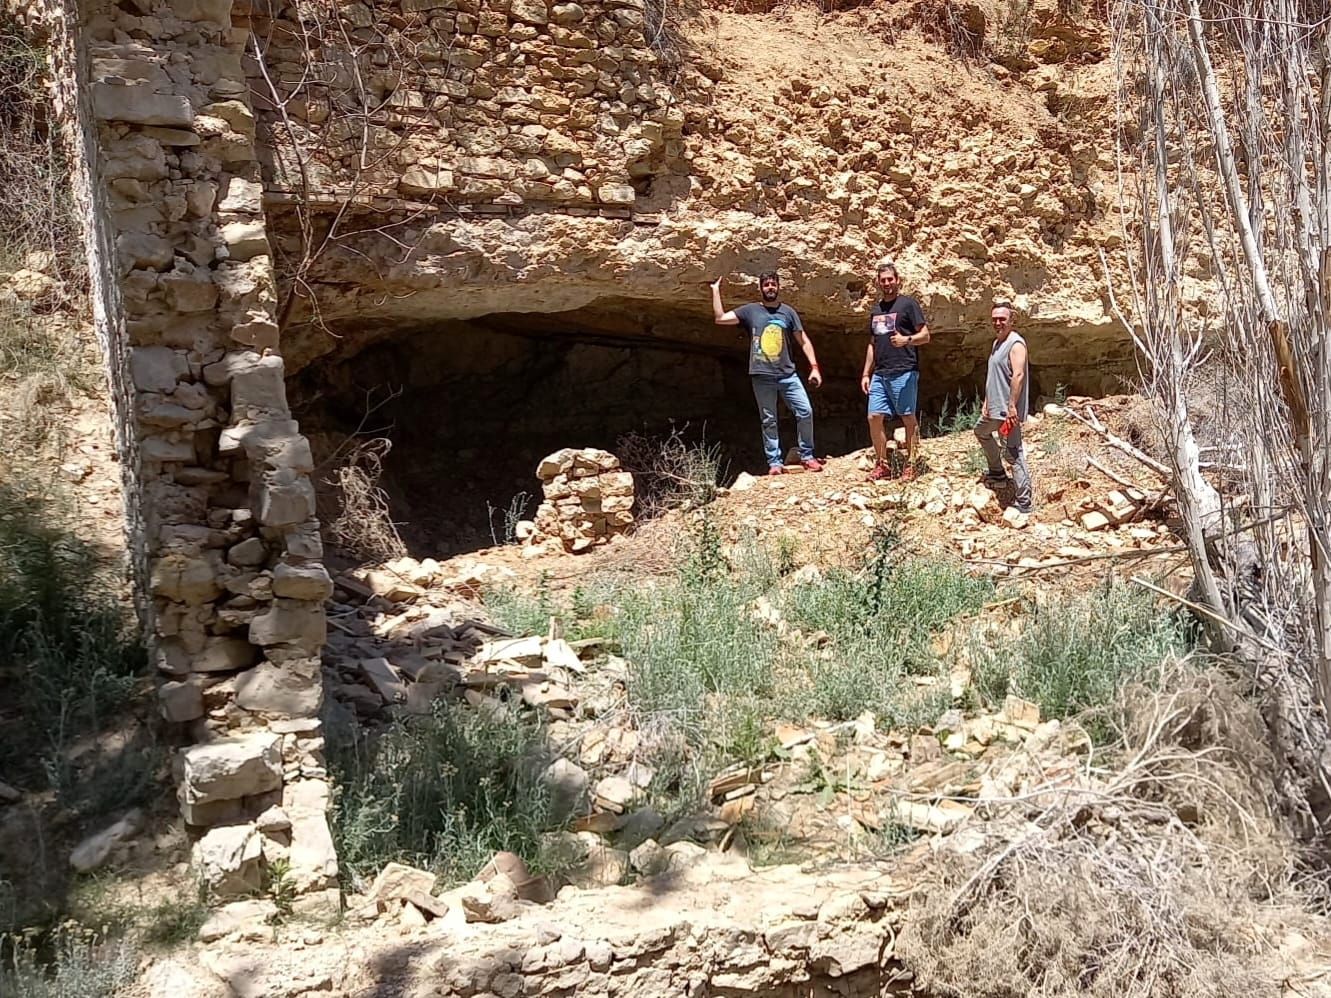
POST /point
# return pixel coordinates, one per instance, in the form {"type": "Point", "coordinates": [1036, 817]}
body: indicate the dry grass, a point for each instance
{"type": "Point", "coordinates": [363, 526]}
{"type": "Point", "coordinates": [1169, 875]}
{"type": "Point", "coordinates": [44, 358]}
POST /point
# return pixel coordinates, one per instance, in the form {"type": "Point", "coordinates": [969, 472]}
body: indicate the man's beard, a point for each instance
{"type": "Point", "coordinates": [771, 295]}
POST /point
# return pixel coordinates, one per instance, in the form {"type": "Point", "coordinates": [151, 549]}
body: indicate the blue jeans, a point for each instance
{"type": "Point", "coordinates": [766, 389]}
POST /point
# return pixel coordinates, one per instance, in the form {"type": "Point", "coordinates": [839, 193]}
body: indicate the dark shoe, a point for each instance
{"type": "Point", "coordinates": [777, 469]}
{"type": "Point", "coordinates": [991, 479]}
{"type": "Point", "coordinates": [812, 464]}
{"type": "Point", "coordinates": [880, 471]}
{"type": "Point", "coordinates": [1028, 508]}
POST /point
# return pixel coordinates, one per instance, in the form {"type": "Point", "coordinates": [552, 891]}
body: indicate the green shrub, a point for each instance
{"type": "Point", "coordinates": [443, 792]}
{"type": "Point", "coordinates": [881, 620]}
{"type": "Point", "coordinates": [960, 416]}
{"type": "Point", "coordinates": [1076, 653]}
{"type": "Point", "coordinates": [75, 659]}
{"type": "Point", "coordinates": [80, 966]}
{"type": "Point", "coordinates": [521, 613]}
{"type": "Point", "coordinates": [696, 637]}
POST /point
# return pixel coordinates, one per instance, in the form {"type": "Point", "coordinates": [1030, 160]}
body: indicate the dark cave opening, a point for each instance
{"type": "Point", "coordinates": [472, 406]}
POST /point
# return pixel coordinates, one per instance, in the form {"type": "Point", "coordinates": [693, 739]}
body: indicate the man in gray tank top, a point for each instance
{"type": "Point", "coordinates": [1006, 406]}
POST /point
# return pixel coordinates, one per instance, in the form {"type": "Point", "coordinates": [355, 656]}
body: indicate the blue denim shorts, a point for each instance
{"type": "Point", "coordinates": [894, 395]}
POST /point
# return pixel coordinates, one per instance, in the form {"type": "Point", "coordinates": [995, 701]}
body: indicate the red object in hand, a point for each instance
{"type": "Point", "coordinates": [1006, 429]}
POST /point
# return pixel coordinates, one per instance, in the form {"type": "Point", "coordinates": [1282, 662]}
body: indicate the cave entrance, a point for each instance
{"type": "Point", "coordinates": [472, 406]}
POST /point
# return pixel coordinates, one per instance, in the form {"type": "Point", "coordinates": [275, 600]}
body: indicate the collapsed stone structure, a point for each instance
{"type": "Point", "coordinates": [588, 500]}
{"type": "Point", "coordinates": [411, 163]}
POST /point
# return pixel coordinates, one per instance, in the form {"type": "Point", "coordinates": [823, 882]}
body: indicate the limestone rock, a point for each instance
{"type": "Point", "coordinates": [293, 622]}
{"type": "Point", "coordinates": [140, 105]}
{"type": "Point", "coordinates": [397, 881]}
{"type": "Point", "coordinates": [568, 784]}
{"type": "Point", "coordinates": [229, 859]}
{"type": "Point", "coordinates": [231, 768]}
{"type": "Point", "coordinates": [313, 858]}
{"type": "Point", "coordinates": [240, 918]}
{"type": "Point", "coordinates": [303, 582]}
{"type": "Point", "coordinates": [291, 688]}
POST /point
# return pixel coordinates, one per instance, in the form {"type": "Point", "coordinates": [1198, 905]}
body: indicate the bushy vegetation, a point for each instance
{"type": "Point", "coordinates": [444, 792]}
{"type": "Point", "coordinates": [731, 642]}
{"type": "Point", "coordinates": [959, 415]}
{"type": "Point", "coordinates": [1078, 652]}
{"type": "Point", "coordinates": [79, 965]}
{"type": "Point", "coordinates": [671, 471]}
{"type": "Point", "coordinates": [40, 362]}
{"type": "Point", "coordinates": [72, 659]}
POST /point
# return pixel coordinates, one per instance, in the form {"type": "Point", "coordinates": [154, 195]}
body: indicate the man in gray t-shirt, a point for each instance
{"type": "Point", "coordinates": [772, 327]}
{"type": "Point", "coordinates": [1006, 406]}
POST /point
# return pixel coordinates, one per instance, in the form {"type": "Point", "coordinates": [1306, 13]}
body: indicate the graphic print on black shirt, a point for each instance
{"type": "Point", "coordinates": [900, 315]}
{"type": "Point", "coordinates": [770, 332]}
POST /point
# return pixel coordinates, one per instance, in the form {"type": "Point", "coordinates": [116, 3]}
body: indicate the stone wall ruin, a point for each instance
{"type": "Point", "coordinates": [272, 187]}
{"type": "Point", "coordinates": [155, 103]}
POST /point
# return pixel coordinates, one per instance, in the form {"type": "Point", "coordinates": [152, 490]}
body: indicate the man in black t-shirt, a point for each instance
{"type": "Point", "coordinates": [891, 375]}
{"type": "Point", "coordinates": [772, 326]}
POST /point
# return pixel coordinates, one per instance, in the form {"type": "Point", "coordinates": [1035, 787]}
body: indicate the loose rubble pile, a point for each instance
{"type": "Point", "coordinates": [588, 500]}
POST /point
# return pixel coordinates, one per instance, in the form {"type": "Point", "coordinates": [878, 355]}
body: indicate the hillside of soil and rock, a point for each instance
{"type": "Point", "coordinates": [813, 844]}
{"type": "Point", "coordinates": [512, 678]}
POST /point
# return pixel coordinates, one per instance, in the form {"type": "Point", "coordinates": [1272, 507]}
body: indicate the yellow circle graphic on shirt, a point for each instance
{"type": "Point", "coordinates": [771, 341]}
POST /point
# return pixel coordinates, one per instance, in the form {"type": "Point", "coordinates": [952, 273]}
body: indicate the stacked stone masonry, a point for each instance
{"type": "Point", "coordinates": [472, 102]}
{"type": "Point", "coordinates": [229, 548]}
{"type": "Point", "coordinates": [588, 500]}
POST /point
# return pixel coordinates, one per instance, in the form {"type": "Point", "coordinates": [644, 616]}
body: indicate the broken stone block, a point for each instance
{"type": "Point", "coordinates": [941, 817]}
{"type": "Point", "coordinates": [615, 793]}
{"type": "Point", "coordinates": [1021, 712]}
{"type": "Point", "coordinates": [396, 881]}
{"type": "Point", "coordinates": [303, 582]}
{"type": "Point", "coordinates": [229, 860]}
{"type": "Point", "coordinates": [568, 784]}
{"type": "Point", "coordinates": [385, 679]}
{"type": "Point", "coordinates": [291, 688]}
{"type": "Point", "coordinates": [649, 859]}
{"type": "Point", "coordinates": [224, 655]}
{"type": "Point", "coordinates": [313, 858]}
{"type": "Point", "coordinates": [246, 239]}
{"type": "Point", "coordinates": [602, 866]}
{"type": "Point", "coordinates": [294, 622]}
{"type": "Point", "coordinates": [258, 390]}
{"type": "Point", "coordinates": [1095, 520]}
{"type": "Point", "coordinates": [239, 918]}
{"type": "Point", "coordinates": [231, 768]}
{"type": "Point", "coordinates": [185, 579]}
{"type": "Point", "coordinates": [140, 105]}
{"type": "Point", "coordinates": [180, 701]}
{"type": "Point", "coordinates": [249, 553]}
{"type": "Point", "coordinates": [284, 498]}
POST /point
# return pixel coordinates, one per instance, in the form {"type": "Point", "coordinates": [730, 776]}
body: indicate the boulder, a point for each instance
{"type": "Point", "coordinates": [229, 860]}
{"type": "Point", "coordinates": [231, 768]}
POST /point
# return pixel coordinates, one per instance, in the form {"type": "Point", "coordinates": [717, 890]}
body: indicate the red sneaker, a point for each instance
{"type": "Point", "coordinates": [812, 464]}
{"type": "Point", "coordinates": [880, 471]}
{"type": "Point", "coordinates": [907, 474]}
{"type": "Point", "coordinates": [776, 469]}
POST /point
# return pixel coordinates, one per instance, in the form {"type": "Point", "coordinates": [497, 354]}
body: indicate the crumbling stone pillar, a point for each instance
{"type": "Point", "coordinates": [155, 100]}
